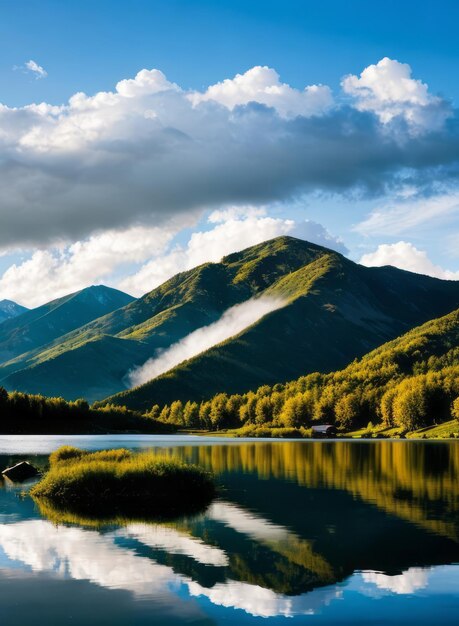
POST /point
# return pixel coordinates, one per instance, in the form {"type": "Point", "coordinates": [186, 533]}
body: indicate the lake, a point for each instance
{"type": "Point", "coordinates": [320, 532]}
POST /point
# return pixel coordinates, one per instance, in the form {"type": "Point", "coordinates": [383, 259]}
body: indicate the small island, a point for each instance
{"type": "Point", "coordinates": [117, 483]}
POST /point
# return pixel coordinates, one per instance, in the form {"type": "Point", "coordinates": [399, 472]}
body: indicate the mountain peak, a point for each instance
{"type": "Point", "coordinates": [10, 309]}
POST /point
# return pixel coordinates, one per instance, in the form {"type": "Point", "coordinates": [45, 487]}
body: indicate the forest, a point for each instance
{"type": "Point", "coordinates": [36, 414]}
{"type": "Point", "coordinates": [409, 383]}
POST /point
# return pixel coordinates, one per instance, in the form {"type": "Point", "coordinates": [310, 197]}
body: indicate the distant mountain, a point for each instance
{"type": "Point", "coordinates": [9, 309]}
{"type": "Point", "coordinates": [38, 327]}
{"type": "Point", "coordinates": [336, 310]}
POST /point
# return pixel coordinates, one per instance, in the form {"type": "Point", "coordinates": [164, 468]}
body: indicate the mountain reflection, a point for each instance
{"type": "Point", "coordinates": [293, 520]}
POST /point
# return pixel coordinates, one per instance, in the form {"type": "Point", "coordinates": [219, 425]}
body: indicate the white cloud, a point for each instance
{"type": "Point", "coordinates": [232, 322]}
{"type": "Point", "coordinates": [406, 257]}
{"type": "Point", "coordinates": [405, 583]}
{"type": "Point", "coordinates": [261, 84]}
{"type": "Point", "coordinates": [144, 152]}
{"type": "Point", "coordinates": [82, 555]}
{"type": "Point", "coordinates": [36, 69]}
{"type": "Point", "coordinates": [98, 557]}
{"type": "Point", "coordinates": [56, 272]}
{"type": "Point", "coordinates": [388, 90]}
{"type": "Point", "coordinates": [234, 228]}
{"type": "Point", "coordinates": [139, 259]}
{"type": "Point", "coordinates": [261, 602]}
{"type": "Point", "coordinates": [145, 83]}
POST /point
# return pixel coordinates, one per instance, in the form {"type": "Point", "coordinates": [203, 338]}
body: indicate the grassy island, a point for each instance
{"type": "Point", "coordinates": [113, 483]}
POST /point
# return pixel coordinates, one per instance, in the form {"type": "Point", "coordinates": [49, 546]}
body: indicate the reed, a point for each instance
{"type": "Point", "coordinates": [120, 483]}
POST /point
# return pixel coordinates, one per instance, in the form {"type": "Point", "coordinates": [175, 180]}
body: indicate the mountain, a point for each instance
{"type": "Point", "coordinates": [409, 383]}
{"type": "Point", "coordinates": [9, 309]}
{"type": "Point", "coordinates": [336, 311]}
{"type": "Point", "coordinates": [41, 326]}
{"type": "Point", "coordinates": [93, 360]}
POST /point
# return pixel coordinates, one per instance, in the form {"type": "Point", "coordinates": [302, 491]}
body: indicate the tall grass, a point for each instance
{"type": "Point", "coordinates": [119, 483]}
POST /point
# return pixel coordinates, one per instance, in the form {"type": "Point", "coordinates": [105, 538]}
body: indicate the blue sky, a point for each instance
{"type": "Point", "coordinates": [368, 165]}
{"type": "Point", "coordinates": [89, 45]}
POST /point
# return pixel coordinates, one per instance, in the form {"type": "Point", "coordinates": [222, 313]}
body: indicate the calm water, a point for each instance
{"type": "Point", "coordinates": [318, 532]}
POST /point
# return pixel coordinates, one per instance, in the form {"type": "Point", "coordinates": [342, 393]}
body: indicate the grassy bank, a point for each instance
{"type": "Point", "coordinates": [447, 430]}
{"type": "Point", "coordinates": [113, 483]}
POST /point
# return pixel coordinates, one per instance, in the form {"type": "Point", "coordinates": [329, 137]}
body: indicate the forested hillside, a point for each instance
{"type": "Point", "coordinates": [411, 382]}
{"type": "Point", "coordinates": [36, 328]}
{"type": "Point", "coordinates": [333, 310]}
{"type": "Point", "coordinates": [336, 310]}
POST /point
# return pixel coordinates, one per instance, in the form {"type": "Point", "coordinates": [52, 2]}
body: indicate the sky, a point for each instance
{"type": "Point", "coordinates": [141, 138]}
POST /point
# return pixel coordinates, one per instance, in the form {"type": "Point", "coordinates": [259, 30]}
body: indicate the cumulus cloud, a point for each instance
{"type": "Point", "coordinates": [149, 150]}
{"type": "Point", "coordinates": [140, 258]}
{"type": "Point", "coordinates": [37, 70]}
{"type": "Point", "coordinates": [262, 85]}
{"type": "Point", "coordinates": [388, 90]}
{"type": "Point", "coordinates": [98, 557]}
{"type": "Point", "coordinates": [231, 323]}
{"type": "Point", "coordinates": [261, 602]}
{"type": "Point", "coordinates": [234, 229]}
{"type": "Point", "coordinates": [53, 273]}
{"type": "Point", "coordinates": [408, 582]}
{"type": "Point", "coordinates": [406, 256]}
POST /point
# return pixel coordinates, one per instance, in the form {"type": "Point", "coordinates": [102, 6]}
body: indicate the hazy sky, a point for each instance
{"type": "Point", "coordinates": [139, 138]}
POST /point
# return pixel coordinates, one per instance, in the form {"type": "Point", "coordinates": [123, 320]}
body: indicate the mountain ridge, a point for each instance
{"type": "Point", "coordinates": [355, 308]}
{"type": "Point", "coordinates": [10, 309]}
{"type": "Point", "coordinates": [337, 310]}
{"type": "Point", "coordinates": [37, 327]}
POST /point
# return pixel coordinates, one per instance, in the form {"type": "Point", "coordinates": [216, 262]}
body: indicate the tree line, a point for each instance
{"type": "Point", "coordinates": [410, 383]}
{"type": "Point", "coordinates": [35, 414]}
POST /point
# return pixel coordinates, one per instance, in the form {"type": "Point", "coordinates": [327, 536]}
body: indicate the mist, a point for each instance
{"type": "Point", "coordinates": [231, 323]}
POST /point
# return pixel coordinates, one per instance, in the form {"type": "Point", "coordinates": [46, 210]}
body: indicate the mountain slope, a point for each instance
{"type": "Point", "coordinates": [336, 311]}
{"type": "Point", "coordinates": [9, 309]}
{"type": "Point", "coordinates": [410, 383]}
{"type": "Point", "coordinates": [162, 317]}
{"type": "Point", "coordinates": [46, 323]}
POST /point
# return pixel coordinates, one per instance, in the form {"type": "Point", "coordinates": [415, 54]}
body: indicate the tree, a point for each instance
{"type": "Point", "coordinates": [347, 410]}
{"type": "Point", "coordinates": [176, 413]}
{"type": "Point", "coordinates": [263, 410]}
{"type": "Point", "coordinates": [191, 415]}
{"type": "Point", "coordinates": [218, 415]}
{"type": "Point", "coordinates": [455, 409]}
{"type": "Point", "coordinates": [410, 405]}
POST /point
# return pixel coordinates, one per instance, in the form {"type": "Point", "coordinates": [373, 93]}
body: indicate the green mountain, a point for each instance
{"type": "Point", "coordinates": [38, 327]}
{"type": "Point", "coordinates": [9, 309]}
{"type": "Point", "coordinates": [409, 383]}
{"type": "Point", "coordinates": [336, 311]}
{"type": "Point", "coordinates": [93, 360]}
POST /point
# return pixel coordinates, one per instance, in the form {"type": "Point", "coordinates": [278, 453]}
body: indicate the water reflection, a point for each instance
{"type": "Point", "coordinates": [299, 528]}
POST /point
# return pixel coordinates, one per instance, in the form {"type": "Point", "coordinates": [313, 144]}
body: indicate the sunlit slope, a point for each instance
{"type": "Point", "coordinates": [63, 376]}
{"type": "Point", "coordinates": [162, 317]}
{"type": "Point", "coordinates": [38, 327]}
{"type": "Point", "coordinates": [336, 311]}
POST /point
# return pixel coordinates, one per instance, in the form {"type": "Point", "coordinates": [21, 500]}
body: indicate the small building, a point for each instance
{"type": "Point", "coordinates": [324, 431]}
